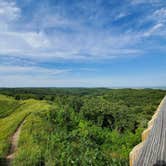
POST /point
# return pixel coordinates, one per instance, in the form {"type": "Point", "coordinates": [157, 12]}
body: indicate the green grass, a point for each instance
{"type": "Point", "coordinates": [10, 123]}
{"type": "Point", "coordinates": [34, 138]}
{"type": "Point", "coordinates": [7, 105]}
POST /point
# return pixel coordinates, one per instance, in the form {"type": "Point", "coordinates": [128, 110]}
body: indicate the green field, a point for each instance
{"type": "Point", "coordinates": [75, 126]}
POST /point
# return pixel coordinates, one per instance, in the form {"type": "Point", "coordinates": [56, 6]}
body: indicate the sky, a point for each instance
{"type": "Point", "coordinates": [82, 43]}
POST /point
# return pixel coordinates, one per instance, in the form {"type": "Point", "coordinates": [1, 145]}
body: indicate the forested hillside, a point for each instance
{"type": "Point", "coordinates": [75, 126]}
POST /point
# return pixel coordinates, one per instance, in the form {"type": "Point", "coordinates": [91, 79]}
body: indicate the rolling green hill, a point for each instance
{"type": "Point", "coordinates": [7, 105]}
{"type": "Point", "coordinates": [18, 110]}
{"type": "Point", "coordinates": [74, 126]}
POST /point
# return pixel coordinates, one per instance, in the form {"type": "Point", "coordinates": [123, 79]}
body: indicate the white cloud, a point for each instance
{"type": "Point", "coordinates": [160, 15]}
{"type": "Point", "coordinates": [36, 40]}
{"type": "Point", "coordinates": [121, 15]}
{"type": "Point", "coordinates": [18, 76]}
{"type": "Point", "coordinates": [158, 18]}
{"type": "Point", "coordinates": [50, 36]}
{"type": "Point", "coordinates": [85, 43]}
{"type": "Point", "coordinates": [77, 46]}
{"type": "Point", "coordinates": [44, 81]}
{"type": "Point", "coordinates": [9, 11]}
{"type": "Point", "coordinates": [136, 2]}
{"type": "Point", "coordinates": [152, 30]}
{"type": "Point", "coordinates": [30, 70]}
{"type": "Point", "coordinates": [139, 80]}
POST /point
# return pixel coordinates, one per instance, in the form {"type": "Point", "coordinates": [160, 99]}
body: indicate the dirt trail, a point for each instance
{"type": "Point", "coordinates": [14, 142]}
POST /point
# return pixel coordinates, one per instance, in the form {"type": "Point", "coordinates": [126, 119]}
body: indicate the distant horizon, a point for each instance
{"type": "Point", "coordinates": [82, 43]}
{"type": "Point", "coordinates": [160, 87]}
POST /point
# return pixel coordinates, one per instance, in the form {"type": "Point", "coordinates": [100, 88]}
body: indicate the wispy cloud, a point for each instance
{"type": "Point", "coordinates": [29, 75]}
{"type": "Point", "coordinates": [136, 2]}
{"type": "Point", "coordinates": [160, 15]}
{"type": "Point", "coordinates": [83, 43]}
{"type": "Point", "coordinates": [51, 32]}
{"type": "Point", "coordinates": [30, 70]}
{"type": "Point", "coordinates": [9, 11]}
{"type": "Point", "coordinates": [153, 29]}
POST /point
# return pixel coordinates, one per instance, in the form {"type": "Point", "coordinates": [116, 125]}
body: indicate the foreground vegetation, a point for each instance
{"type": "Point", "coordinates": [75, 126]}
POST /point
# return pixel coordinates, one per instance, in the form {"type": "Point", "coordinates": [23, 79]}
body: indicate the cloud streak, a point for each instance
{"type": "Point", "coordinates": [33, 35]}
{"type": "Point", "coordinates": [62, 38]}
{"type": "Point", "coordinates": [30, 70]}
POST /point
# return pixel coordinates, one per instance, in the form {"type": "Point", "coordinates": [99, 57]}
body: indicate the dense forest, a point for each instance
{"type": "Point", "coordinates": [75, 126]}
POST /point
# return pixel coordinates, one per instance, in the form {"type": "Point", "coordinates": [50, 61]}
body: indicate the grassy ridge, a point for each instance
{"type": "Point", "coordinates": [7, 105]}
{"type": "Point", "coordinates": [34, 138]}
{"type": "Point", "coordinates": [10, 123]}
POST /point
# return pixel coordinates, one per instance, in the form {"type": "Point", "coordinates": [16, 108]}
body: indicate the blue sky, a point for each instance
{"type": "Point", "coordinates": [82, 43]}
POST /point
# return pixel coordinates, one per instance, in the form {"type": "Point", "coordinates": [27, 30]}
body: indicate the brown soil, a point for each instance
{"type": "Point", "coordinates": [14, 142]}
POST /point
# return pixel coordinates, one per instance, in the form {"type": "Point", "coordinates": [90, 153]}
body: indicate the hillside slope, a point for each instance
{"type": "Point", "coordinates": [10, 123]}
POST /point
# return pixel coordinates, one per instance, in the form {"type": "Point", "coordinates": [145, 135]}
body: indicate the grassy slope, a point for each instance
{"type": "Point", "coordinates": [7, 105]}
{"type": "Point", "coordinates": [34, 139]}
{"type": "Point", "coordinates": [10, 123]}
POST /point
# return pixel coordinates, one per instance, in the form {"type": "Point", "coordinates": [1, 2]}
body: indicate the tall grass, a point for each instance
{"type": "Point", "coordinates": [9, 124]}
